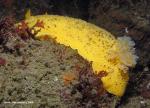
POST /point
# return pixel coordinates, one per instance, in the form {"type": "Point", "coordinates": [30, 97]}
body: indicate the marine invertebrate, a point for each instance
{"type": "Point", "coordinates": [107, 53]}
{"type": "Point", "coordinates": [68, 78]}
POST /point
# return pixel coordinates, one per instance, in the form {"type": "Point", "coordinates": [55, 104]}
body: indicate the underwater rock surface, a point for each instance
{"type": "Point", "coordinates": [45, 74]}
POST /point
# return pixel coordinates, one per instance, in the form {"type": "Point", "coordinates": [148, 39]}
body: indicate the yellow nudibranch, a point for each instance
{"type": "Point", "coordinates": [107, 53]}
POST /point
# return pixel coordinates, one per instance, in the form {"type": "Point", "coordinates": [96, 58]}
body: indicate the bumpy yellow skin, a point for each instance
{"type": "Point", "coordinates": [95, 44]}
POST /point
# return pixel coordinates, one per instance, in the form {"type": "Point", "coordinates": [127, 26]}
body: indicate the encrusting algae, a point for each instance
{"type": "Point", "coordinates": [108, 54]}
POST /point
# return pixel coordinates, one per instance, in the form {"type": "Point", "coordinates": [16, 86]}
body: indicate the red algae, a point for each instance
{"type": "Point", "coordinates": [39, 24]}
{"type": "Point", "coordinates": [2, 61]}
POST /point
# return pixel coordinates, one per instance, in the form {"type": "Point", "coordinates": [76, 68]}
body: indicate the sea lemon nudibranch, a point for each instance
{"type": "Point", "coordinates": [108, 54]}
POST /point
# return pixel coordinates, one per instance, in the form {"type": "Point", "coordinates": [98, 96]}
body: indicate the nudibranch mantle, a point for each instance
{"type": "Point", "coordinates": [107, 53]}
